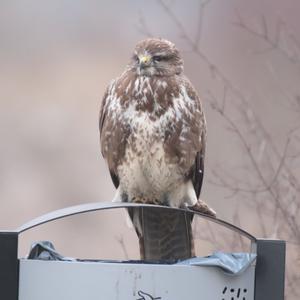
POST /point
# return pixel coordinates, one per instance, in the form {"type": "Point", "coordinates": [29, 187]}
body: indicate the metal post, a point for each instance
{"type": "Point", "coordinates": [9, 266]}
{"type": "Point", "coordinates": [270, 270]}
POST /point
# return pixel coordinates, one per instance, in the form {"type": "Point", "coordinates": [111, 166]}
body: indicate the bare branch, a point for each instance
{"type": "Point", "coordinates": [202, 7]}
{"type": "Point", "coordinates": [273, 43]}
{"type": "Point", "coordinates": [142, 26]}
{"type": "Point", "coordinates": [120, 240]}
{"type": "Point", "coordinates": [273, 186]}
{"type": "Point", "coordinates": [267, 187]}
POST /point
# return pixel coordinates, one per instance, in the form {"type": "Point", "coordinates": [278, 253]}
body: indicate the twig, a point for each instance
{"type": "Point", "coordinates": [142, 26]}
{"type": "Point", "coordinates": [275, 43]}
{"type": "Point", "coordinates": [120, 240]}
{"type": "Point", "coordinates": [202, 7]}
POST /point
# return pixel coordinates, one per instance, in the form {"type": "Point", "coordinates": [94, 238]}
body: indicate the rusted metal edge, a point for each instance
{"type": "Point", "coordinates": [90, 207]}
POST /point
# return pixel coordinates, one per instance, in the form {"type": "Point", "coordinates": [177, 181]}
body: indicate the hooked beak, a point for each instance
{"type": "Point", "coordinates": [144, 61]}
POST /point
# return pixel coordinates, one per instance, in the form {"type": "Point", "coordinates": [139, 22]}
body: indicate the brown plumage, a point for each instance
{"type": "Point", "coordinates": [153, 133]}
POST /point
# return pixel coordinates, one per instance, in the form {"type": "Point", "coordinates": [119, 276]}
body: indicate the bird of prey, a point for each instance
{"type": "Point", "coordinates": [153, 130]}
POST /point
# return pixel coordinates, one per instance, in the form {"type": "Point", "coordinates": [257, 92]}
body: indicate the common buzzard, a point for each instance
{"type": "Point", "coordinates": [153, 130]}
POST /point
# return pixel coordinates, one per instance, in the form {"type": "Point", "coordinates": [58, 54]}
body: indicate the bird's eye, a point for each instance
{"type": "Point", "coordinates": [157, 58]}
{"type": "Point", "coordinates": [135, 58]}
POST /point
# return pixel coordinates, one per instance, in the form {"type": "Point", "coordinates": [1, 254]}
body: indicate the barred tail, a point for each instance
{"type": "Point", "coordinates": [164, 234]}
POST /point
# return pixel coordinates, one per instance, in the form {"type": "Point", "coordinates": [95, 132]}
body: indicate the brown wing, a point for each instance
{"type": "Point", "coordinates": [103, 115]}
{"type": "Point", "coordinates": [198, 129]}
{"type": "Point", "coordinates": [197, 170]}
{"type": "Point", "coordinates": [113, 134]}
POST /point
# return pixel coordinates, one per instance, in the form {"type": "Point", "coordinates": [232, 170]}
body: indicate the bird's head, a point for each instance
{"type": "Point", "coordinates": [156, 57]}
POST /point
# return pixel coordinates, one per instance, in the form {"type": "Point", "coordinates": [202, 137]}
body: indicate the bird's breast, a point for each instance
{"type": "Point", "coordinates": [145, 165]}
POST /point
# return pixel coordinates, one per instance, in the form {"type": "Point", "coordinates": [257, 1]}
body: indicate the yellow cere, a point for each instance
{"type": "Point", "coordinates": [145, 59]}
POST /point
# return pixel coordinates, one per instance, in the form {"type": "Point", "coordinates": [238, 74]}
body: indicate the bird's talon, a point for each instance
{"type": "Point", "coordinates": [203, 208]}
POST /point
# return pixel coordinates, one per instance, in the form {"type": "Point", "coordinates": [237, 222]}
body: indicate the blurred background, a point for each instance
{"type": "Point", "coordinates": [56, 58]}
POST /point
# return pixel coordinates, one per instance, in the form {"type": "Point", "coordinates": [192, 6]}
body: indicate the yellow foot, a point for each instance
{"type": "Point", "coordinates": [203, 208]}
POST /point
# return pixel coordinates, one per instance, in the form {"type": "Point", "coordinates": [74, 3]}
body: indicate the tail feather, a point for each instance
{"type": "Point", "coordinates": [164, 234]}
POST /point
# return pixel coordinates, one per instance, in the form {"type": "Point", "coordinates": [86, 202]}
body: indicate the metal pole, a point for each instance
{"type": "Point", "coordinates": [9, 266]}
{"type": "Point", "coordinates": [270, 270]}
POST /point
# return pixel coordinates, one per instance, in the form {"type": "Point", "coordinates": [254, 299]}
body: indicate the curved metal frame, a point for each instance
{"type": "Point", "coordinates": [90, 207]}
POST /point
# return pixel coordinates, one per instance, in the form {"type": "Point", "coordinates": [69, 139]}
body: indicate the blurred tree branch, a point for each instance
{"type": "Point", "coordinates": [120, 240]}
{"type": "Point", "coordinates": [270, 179]}
{"type": "Point", "coordinates": [283, 41]}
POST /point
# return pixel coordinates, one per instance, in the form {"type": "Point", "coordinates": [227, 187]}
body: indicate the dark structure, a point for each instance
{"type": "Point", "coordinates": [269, 270]}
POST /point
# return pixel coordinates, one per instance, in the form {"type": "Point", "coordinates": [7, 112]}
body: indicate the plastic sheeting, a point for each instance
{"type": "Point", "coordinates": [44, 250]}
{"type": "Point", "coordinates": [231, 263]}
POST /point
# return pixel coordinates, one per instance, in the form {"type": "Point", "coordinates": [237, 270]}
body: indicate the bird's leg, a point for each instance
{"type": "Point", "coordinates": [118, 196]}
{"type": "Point", "coordinates": [183, 195]}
